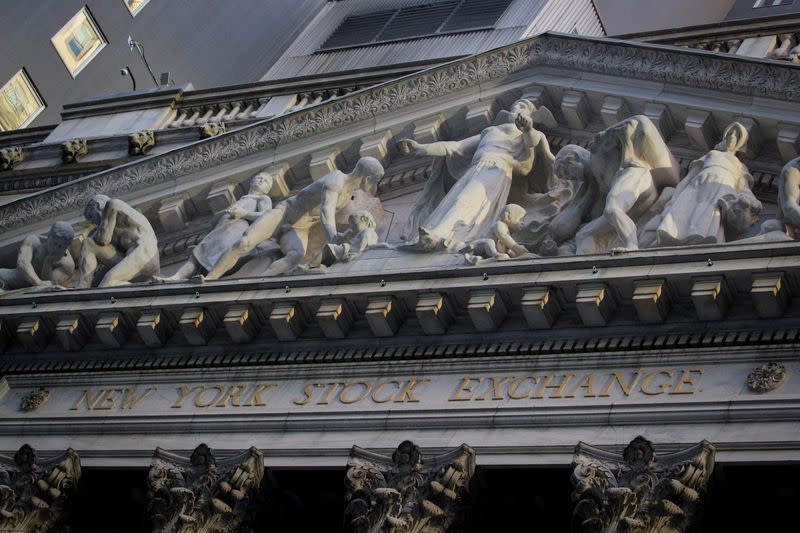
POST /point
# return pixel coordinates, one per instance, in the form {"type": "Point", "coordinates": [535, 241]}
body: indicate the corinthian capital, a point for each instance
{"type": "Point", "coordinates": [403, 493]}
{"type": "Point", "coordinates": [33, 493]}
{"type": "Point", "coordinates": [197, 494]}
{"type": "Point", "coordinates": [638, 491]}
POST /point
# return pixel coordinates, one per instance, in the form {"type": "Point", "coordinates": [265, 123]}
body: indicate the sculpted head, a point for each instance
{"type": "Point", "coordinates": [512, 216]}
{"type": "Point", "coordinates": [571, 162]}
{"type": "Point", "coordinates": [361, 220]}
{"type": "Point", "coordinates": [261, 183]}
{"type": "Point", "coordinates": [739, 211]}
{"type": "Point", "coordinates": [94, 209]}
{"type": "Point", "coordinates": [59, 238]}
{"type": "Point", "coordinates": [523, 106]}
{"type": "Point", "coordinates": [371, 170]}
{"type": "Point", "coordinates": [734, 138]}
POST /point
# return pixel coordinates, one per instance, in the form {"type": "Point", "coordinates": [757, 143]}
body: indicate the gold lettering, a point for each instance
{"type": "Point", "coordinates": [367, 387]}
{"type": "Point", "coordinates": [497, 388]}
{"type": "Point", "coordinates": [660, 388]}
{"type": "Point", "coordinates": [407, 394]}
{"type": "Point", "coordinates": [183, 393]}
{"type": "Point", "coordinates": [233, 394]}
{"type": "Point", "coordinates": [512, 389]}
{"type": "Point", "coordinates": [87, 397]}
{"type": "Point", "coordinates": [255, 397]}
{"type": "Point", "coordinates": [327, 398]}
{"type": "Point", "coordinates": [107, 400]}
{"type": "Point", "coordinates": [687, 379]}
{"type": "Point", "coordinates": [199, 397]}
{"type": "Point", "coordinates": [588, 384]}
{"type": "Point", "coordinates": [548, 384]}
{"type": "Point", "coordinates": [380, 387]}
{"type": "Point", "coordinates": [308, 390]}
{"type": "Point", "coordinates": [130, 400]}
{"type": "Point", "coordinates": [466, 388]}
{"type": "Point", "coordinates": [626, 388]}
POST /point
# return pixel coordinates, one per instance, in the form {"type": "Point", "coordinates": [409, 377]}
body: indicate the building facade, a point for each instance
{"type": "Point", "coordinates": [547, 285]}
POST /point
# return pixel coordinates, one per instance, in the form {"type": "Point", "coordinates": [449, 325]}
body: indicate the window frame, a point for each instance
{"type": "Point", "coordinates": [26, 80]}
{"type": "Point", "coordinates": [134, 12]}
{"type": "Point", "coordinates": [61, 39]}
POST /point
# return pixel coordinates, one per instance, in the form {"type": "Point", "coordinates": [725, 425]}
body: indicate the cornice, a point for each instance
{"type": "Point", "coordinates": [691, 68]}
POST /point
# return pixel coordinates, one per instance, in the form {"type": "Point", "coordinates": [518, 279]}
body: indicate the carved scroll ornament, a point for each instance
{"type": "Point", "coordinates": [33, 494]}
{"type": "Point", "coordinates": [200, 495]}
{"type": "Point", "coordinates": [401, 494]}
{"type": "Point", "coordinates": [638, 492]}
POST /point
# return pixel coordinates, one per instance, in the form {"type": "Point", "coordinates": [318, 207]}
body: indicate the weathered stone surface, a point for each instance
{"type": "Point", "coordinates": [323, 163]}
{"type": "Point", "coordinates": [661, 117]}
{"type": "Point", "coordinates": [155, 327]}
{"type": "Point", "coordinates": [113, 329]}
{"type": "Point", "coordinates": [788, 141]}
{"type": "Point", "coordinates": [10, 157]}
{"type": "Point", "coordinates": [541, 306]}
{"type": "Point", "coordinates": [73, 331]}
{"type": "Point", "coordinates": [243, 322]}
{"type": "Point", "coordinates": [770, 294]}
{"type": "Point", "coordinates": [74, 150]}
{"type": "Point", "coordinates": [701, 129]}
{"type": "Point", "coordinates": [376, 145]}
{"type": "Point", "coordinates": [201, 494]}
{"type": "Point", "coordinates": [711, 297]}
{"type": "Point", "coordinates": [199, 324]}
{"type": "Point", "coordinates": [637, 490]}
{"type": "Point", "coordinates": [288, 320]}
{"type": "Point", "coordinates": [141, 142]}
{"type": "Point", "coordinates": [34, 333]}
{"type": "Point", "coordinates": [405, 493]}
{"type": "Point", "coordinates": [487, 309]}
{"type": "Point", "coordinates": [652, 300]}
{"type": "Point", "coordinates": [175, 213]}
{"type": "Point", "coordinates": [614, 110]}
{"type": "Point", "coordinates": [596, 303]}
{"type": "Point", "coordinates": [435, 313]}
{"type": "Point", "coordinates": [428, 129]}
{"type": "Point", "coordinates": [576, 109]}
{"type": "Point", "coordinates": [385, 314]}
{"type": "Point", "coordinates": [335, 316]}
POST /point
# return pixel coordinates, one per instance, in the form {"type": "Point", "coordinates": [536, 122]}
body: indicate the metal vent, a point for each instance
{"type": "Point", "coordinates": [358, 29]}
{"type": "Point", "coordinates": [416, 21]}
{"type": "Point", "coordinates": [475, 14]}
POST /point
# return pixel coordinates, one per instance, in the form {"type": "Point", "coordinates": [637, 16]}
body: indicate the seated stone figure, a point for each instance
{"type": "Point", "coordinates": [789, 197]}
{"type": "Point", "coordinates": [360, 237]}
{"type": "Point", "coordinates": [693, 215]}
{"type": "Point", "coordinates": [631, 163]}
{"type": "Point", "coordinates": [230, 227]}
{"type": "Point", "coordinates": [123, 241]}
{"type": "Point", "coordinates": [500, 245]}
{"type": "Point", "coordinates": [739, 213]}
{"type": "Point", "coordinates": [42, 262]}
{"type": "Point", "coordinates": [291, 220]}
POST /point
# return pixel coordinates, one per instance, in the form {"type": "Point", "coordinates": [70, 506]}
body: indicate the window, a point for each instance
{"type": "Point", "coordinates": [433, 18]}
{"type": "Point", "coordinates": [134, 6]}
{"type": "Point", "coordinates": [78, 41]}
{"type": "Point", "coordinates": [772, 3]}
{"type": "Point", "coordinates": [20, 103]}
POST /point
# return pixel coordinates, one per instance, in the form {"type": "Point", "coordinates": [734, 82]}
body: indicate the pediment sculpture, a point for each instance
{"type": "Point", "coordinates": [404, 493]}
{"type": "Point", "coordinates": [199, 494]}
{"type": "Point", "coordinates": [638, 491]}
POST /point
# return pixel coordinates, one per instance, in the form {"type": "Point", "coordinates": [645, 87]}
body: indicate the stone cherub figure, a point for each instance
{"type": "Point", "coordinates": [232, 224]}
{"type": "Point", "coordinates": [694, 214]}
{"type": "Point", "coordinates": [631, 163]}
{"type": "Point", "coordinates": [360, 237]}
{"type": "Point", "coordinates": [289, 221]}
{"type": "Point", "coordinates": [448, 215]}
{"type": "Point", "coordinates": [123, 241]}
{"type": "Point", "coordinates": [42, 262]}
{"type": "Point", "coordinates": [500, 245]}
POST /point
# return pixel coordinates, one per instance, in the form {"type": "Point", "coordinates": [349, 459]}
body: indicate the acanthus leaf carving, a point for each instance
{"type": "Point", "coordinates": [199, 494]}
{"type": "Point", "coordinates": [33, 493]}
{"type": "Point", "coordinates": [638, 492]}
{"type": "Point", "coordinates": [11, 157]}
{"type": "Point", "coordinates": [403, 493]}
{"type": "Point", "coordinates": [73, 150]}
{"type": "Point", "coordinates": [141, 142]}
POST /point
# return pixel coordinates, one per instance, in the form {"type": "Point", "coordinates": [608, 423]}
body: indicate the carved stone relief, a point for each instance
{"type": "Point", "coordinates": [212, 129]}
{"type": "Point", "coordinates": [141, 142]}
{"type": "Point", "coordinates": [198, 494]}
{"type": "Point", "coordinates": [767, 377]}
{"type": "Point", "coordinates": [403, 493]}
{"type": "Point", "coordinates": [35, 399]}
{"type": "Point", "coordinates": [42, 262]}
{"type": "Point", "coordinates": [73, 150]}
{"type": "Point", "coordinates": [33, 494]}
{"type": "Point", "coordinates": [638, 491]}
{"type": "Point", "coordinates": [11, 157]}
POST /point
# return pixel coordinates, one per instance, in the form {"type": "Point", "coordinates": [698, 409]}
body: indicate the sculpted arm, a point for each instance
{"type": "Point", "coordinates": [790, 195]}
{"type": "Point", "coordinates": [262, 207]}
{"type": "Point", "coordinates": [440, 148]}
{"type": "Point", "coordinates": [24, 258]}
{"type": "Point", "coordinates": [105, 230]}
{"type": "Point", "coordinates": [327, 211]}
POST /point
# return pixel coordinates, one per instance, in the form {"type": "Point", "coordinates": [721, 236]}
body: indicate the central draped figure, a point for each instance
{"type": "Point", "coordinates": [449, 214]}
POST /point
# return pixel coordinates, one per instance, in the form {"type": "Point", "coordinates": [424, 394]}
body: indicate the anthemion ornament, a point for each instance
{"type": "Point", "coordinates": [33, 494]}
{"type": "Point", "coordinates": [34, 400]}
{"type": "Point", "coordinates": [637, 491]}
{"type": "Point", "coordinates": [767, 377]}
{"type": "Point", "coordinates": [197, 494]}
{"type": "Point", "coordinates": [403, 494]}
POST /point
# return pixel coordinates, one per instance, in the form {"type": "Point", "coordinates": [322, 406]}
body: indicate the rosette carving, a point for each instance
{"type": "Point", "coordinates": [403, 493]}
{"type": "Point", "coordinates": [767, 377]}
{"type": "Point", "coordinates": [33, 494]}
{"type": "Point", "coordinates": [200, 495]}
{"type": "Point", "coordinates": [637, 492]}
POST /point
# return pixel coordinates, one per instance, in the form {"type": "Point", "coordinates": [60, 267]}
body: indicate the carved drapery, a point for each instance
{"type": "Point", "coordinates": [403, 493]}
{"type": "Point", "coordinates": [197, 494]}
{"type": "Point", "coordinates": [33, 493]}
{"type": "Point", "coordinates": [638, 492]}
